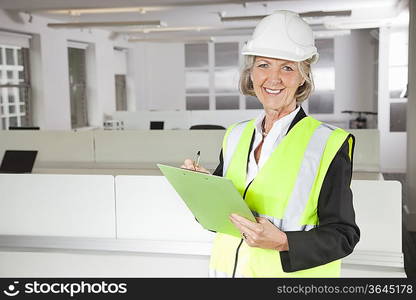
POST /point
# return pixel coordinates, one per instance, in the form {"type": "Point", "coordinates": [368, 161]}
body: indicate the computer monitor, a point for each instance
{"type": "Point", "coordinates": [18, 161]}
{"type": "Point", "coordinates": [156, 124]}
{"type": "Point", "coordinates": [24, 128]}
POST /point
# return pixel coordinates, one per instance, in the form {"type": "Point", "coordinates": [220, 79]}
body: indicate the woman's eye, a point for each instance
{"type": "Point", "coordinates": [262, 65]}
{"type": "Point", "coordinates": [287, 68]}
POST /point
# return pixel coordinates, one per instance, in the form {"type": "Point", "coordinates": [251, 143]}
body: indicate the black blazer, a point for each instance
{"type": "Point", "coordinates": [337, 233]}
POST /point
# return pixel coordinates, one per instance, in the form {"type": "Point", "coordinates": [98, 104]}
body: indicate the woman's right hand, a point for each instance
{"type": "Point", "coordinates": [191, 165]}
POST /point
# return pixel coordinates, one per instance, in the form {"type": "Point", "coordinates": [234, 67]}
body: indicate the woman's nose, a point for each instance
{"type": "Point", "coordinates": [274, 81]}
{"type": "Point", "coordinates": [274, 77]}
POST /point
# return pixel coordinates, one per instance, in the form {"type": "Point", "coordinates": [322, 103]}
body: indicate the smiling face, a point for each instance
{"type": "Point", "coordinates": [275, 82]}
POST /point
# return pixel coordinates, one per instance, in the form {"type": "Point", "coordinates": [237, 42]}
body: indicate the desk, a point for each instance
{"type": "Point", "coordinates": [137, 226]}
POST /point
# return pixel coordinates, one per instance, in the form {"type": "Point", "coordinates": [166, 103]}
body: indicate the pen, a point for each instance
{"type": "Point", "coordinates": [198, 155]}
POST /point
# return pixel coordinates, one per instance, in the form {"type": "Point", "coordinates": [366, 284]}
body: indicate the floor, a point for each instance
{"type": "Point", "coordinates": [408, 237]}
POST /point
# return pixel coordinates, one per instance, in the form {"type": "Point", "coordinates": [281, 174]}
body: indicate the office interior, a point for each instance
{"type": "Point", "coordinates": [105, 90]}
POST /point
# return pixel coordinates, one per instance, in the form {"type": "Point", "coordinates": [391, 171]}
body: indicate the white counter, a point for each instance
{"type": "Point", "coordinates": [91, 219]}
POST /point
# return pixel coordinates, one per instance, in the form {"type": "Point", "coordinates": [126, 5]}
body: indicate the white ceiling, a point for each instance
{"type": "Point", "coordinates": [203, 16]}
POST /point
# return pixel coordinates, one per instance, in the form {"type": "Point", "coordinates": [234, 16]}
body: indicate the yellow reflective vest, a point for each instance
{"type": "Point", "coordinates": [285, 191]}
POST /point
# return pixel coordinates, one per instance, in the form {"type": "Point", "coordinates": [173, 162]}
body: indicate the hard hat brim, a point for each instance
{"type": "Point", "coordinates": [279, 54]}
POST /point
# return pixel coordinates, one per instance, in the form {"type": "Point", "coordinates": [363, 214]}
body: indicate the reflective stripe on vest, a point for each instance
{"type": "Point", "coordinates": [285, 191]}
{"type": "Point", "coordinates": [305, 179]}
{"type": "Point", "coordinates": [230, 142]}
{"type": "Point", "coordinates": [283, 224]}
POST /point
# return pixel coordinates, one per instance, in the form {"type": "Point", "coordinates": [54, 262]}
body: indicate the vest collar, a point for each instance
{"type": "Point", "coordinates": [299, 116]}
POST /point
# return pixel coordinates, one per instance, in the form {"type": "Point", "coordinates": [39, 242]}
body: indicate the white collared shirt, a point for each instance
{"type": "Point", "coordinates": [271, 141]}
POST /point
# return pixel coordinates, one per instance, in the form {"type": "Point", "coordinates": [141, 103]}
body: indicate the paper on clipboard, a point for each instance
{"type": "Point", "coordinates": [211, 199]}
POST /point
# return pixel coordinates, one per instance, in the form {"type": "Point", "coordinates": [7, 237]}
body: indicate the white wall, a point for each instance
{"type": "Point", "coordinates": [133, 64]}
{"type": "Point", "coordinates": [355, 73]}
{"type": "Point", "coordinates": [120, 57]}
{"type": "Point", "coordinates": [100, 81]}
{"type": "Point", "coordinates": [161, 83]}
{"type": "Point", "coordinates": [392, 144]}
{"type": "Point", "coordinates": [356, 77]}
{"type": "Point", "coordinates": [49, 71]}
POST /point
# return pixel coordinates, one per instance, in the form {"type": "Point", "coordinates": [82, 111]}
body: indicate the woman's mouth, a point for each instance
{"type": "Point", "coordinates": [273, 91]}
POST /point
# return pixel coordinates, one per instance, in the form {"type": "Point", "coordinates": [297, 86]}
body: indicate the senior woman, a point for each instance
{"type": "Point", "coordinates": [293, 171]}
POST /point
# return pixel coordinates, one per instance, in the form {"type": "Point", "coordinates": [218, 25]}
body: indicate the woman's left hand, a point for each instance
{"type": "Point", "coordinates": [262, 234]}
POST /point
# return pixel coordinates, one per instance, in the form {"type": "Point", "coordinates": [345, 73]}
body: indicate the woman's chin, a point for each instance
{"type": "Point", "coordinates": [273, 106]}
{"type": "Point", "coordinates": [277, 105]}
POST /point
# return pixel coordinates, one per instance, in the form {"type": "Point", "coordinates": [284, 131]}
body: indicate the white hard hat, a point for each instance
{"type": "Point", "coordinates": [285, 35]}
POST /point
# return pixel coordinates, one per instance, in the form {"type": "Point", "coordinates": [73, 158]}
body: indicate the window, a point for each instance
{"type": "Point", "coordinates": [226, 76]}
{"type": "Point", "coordinates": [398, 117]}
{"type": "Point", "coordinates": [121, 98]}
{"type": "Point", "coordinates": [398, 51]}
{"type": "Point", "coordinates": [321, 100]}
{"type": "Point", "coordinates": [253, 103]}
{"type": "Point", "coordinates": [77, 87]}
{"type": "Point", "coordinates": [398, 63]}
{"type": "Point", "coordinates": [15, 92]}
{"type": "Point", "coordinates": [197, 79]}
{"type": "Point", "coordinates": [211, 76]}
{"type": "Point", "coordinates": [10, 54]}
{"type": "Point", "coordinates": [120, 78]}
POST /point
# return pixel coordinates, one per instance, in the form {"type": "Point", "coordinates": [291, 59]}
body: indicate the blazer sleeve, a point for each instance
{"type": "Point", "coordinates": [218, 169]}
{"type": "Point", "coordinates": [337, 233]}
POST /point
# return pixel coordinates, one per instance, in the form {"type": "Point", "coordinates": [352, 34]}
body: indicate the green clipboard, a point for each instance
{"type": "Point", "coordinates": [211, 199]}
